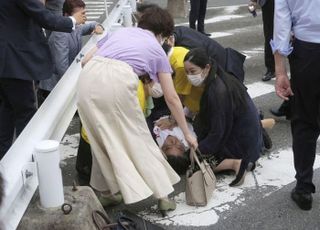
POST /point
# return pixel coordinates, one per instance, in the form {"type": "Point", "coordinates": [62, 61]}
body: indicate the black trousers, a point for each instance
{"type": "Point", "coordinates": [267, 18]}
{"type": "Point", "coordinates": [17, 106]}
{"type": "Point", "coordinates": [197, 14]}
{"type": "Point", "coordinates": [305, 106]}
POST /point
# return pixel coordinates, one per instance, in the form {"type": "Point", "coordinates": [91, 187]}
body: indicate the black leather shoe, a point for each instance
{"type": "Point", "coordinates": [209, 35]}
{"type": "Point", "coordinates": [277, 112]}
{"type": "Point", "coordinates": [303, 200]}
{"type": "Point", "coordinates": [268, 76]}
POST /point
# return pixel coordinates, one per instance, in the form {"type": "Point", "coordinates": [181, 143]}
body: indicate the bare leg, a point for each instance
{"type": "Point", "coordinates": [268, 123]}
{"type": "Point", "coordinates": [228, 164]}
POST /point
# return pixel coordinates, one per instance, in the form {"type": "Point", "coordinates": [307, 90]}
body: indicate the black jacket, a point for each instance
{"type": "Point", "coordinates": [226, 132]}
{"type": "Point", "coordinates": [24, 51]}
{"type": "Point", "coordinates": [229, 59]}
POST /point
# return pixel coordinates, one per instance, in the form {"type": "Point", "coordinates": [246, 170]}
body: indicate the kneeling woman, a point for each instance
{"type": "Point", "coordinates": [228, 125]}
{"type": "Point", "coordinates": [125, 157]}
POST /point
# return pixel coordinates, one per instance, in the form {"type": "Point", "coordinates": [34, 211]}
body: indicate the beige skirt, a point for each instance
{"type": "Point", "coordinates": [125, 157]}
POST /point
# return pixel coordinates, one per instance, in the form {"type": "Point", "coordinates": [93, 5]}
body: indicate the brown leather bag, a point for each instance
{"type": "Point", "coordinates": [200, 181]}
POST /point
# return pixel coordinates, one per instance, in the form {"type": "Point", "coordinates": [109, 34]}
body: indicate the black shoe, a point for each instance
{"type": "Point", "coordinates": [269, 74]}
{"type": "Point", "coordinates": [303, 200]}
{"type": "Point", "coordinates": [209, 35]}
{"type": "Point", "coordinates": [277, 112]}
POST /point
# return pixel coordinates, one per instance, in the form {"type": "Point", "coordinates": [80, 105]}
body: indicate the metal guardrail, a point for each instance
{"type": "Point", "coordinates": [50, 122]}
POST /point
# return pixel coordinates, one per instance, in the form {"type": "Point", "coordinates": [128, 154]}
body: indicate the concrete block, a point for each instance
{"type": "Point", "coordinates": [83, 202]}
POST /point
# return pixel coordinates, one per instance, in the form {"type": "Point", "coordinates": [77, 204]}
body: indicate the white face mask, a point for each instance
{"type": "Point", "coordinates": [156, 90]}
{"type": "Point", "coordinates": [196, 79]}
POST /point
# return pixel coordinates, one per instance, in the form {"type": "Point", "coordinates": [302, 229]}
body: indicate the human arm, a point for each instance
{"type": "Point", "coordinates": [89, 55]}
{"type": "Point", "coordinates": [175, 107]}
{"type": "Point", "coordinates": [282, 85]}
{"type": "Point", "coordinates": [281, 47]}
{"type": "Point", "coordinates": [91, 28]}
{"type": "Point", "coordinates": [47, 19]}
{"type": "Point", "coordinates": [59, 47]}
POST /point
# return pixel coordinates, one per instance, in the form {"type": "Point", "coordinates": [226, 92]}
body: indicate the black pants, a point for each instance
{"type": "Point", "coordinates": [17, 106]}
{"type": "Point", "coordinates": [197, 14]}
{"type": "Point", "coordinates": [41, 96]}
{"type": "Point", "coordinates": [305, 105]}
{"type": "Point", "coordinates": [267, 18]}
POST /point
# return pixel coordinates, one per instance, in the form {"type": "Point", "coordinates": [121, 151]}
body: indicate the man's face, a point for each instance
{"type": "Point", "coordinates": [173, 146]}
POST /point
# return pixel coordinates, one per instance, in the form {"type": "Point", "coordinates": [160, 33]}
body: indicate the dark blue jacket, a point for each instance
{"type": "Point", "coordinates": [229, 59]}
{"type": "Point", "coordinates": [24, 51]}
{"type": "Point", "coordinates": [226, 132]}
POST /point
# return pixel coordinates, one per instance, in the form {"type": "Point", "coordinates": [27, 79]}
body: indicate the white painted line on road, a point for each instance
{"type": "Point", "coordinates": [258, 89]}
{"type": "Point", "coordinates": [217, 19]}
{"type": "Point", "coordinates": [272, 172]}
{"type": "Point", "coordinates": [97, 3]}
{"type": "Point", "coordinates": [94, 10]}
{"type": "Point", "coordinates": [235, 31]}
{"type": "Point", "coordinates": [220, 34]}
{"type": "Point", "coordinates": [94, 13]}
{"type": "Point", "coordinates": [230, 9]}
{"type": "Point", "coordinates": [93, 17]}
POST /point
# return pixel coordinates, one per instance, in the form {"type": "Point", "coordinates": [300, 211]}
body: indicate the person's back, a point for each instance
{"type": "Point", "coordinates": [142, 53]}
{"type": "Point", "coordinates": [229, 59]}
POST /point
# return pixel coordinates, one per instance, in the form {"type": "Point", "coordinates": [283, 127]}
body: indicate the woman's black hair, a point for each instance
{"type": "Point", "coordinates": [179, 163]}
{"type": "Point", "coordinates": [236, 89]}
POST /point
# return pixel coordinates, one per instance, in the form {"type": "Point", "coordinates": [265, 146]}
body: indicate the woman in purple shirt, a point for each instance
{"type": "Point", "coordinates": [125, 157]}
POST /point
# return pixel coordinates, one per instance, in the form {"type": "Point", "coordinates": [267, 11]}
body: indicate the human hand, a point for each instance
{"type": "Point", "coordinates": [171, 41]}
{"type": "Point", "coordinates": [80, 17]}
{"type": "Point", "coordinates": [98, 29]}
{"type": "Point", "coordinates": [192, 141]}
{"type": "Point", "coordinates": [252, 6]}
{"type": "Point", "coordinates": [283, 86]}
{"type": "Point", "coordinates": [166, 123]}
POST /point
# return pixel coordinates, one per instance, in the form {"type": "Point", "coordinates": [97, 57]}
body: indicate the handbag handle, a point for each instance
{"type": "Point", "coordinates": [194, 158]}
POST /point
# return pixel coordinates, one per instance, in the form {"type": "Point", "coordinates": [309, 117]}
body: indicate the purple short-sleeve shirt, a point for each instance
{"type": "Point", "coordinates": [138, 48]}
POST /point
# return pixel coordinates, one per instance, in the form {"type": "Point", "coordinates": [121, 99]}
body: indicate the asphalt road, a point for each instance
{"type": "Point", "coordinates": [263, 201]}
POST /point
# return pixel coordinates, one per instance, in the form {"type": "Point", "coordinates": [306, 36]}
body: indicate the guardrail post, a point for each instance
{"type": "Point", "coordinates": [127, 16]}
{"type": "Point", "coordinates": [115, 26]}
{"type": "Point", "coordinates": [106, 8]}
{"type": "Point", "coordinates": [133, 4]}
{"type": "Point", "coordinates": [49, 174]}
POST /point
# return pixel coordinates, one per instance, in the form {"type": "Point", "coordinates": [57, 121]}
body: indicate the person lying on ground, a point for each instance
{"type": "Point", "coordinates": [172, 143]}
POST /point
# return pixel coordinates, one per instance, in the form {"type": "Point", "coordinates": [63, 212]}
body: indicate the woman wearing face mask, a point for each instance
{"type": "Point", "coordinates": [227, 125]}
{"type": "Point", "coordinates": [125, 157]}
{"type": "Point", "coordinates": [190, 95]}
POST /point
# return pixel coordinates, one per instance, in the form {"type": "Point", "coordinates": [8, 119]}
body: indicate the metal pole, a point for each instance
{"type": "Point", "coordinates": [106, 8]}
{"type": "Point", "coordinates": [127, 18]}
{"type": "Point", "coordinates": [133, 4]}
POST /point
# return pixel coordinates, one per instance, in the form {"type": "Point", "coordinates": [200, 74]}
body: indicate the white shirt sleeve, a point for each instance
{"type": "Point", "coordinates": [282, 28]}
{"type": "Point", "coordinates": [73, 22]}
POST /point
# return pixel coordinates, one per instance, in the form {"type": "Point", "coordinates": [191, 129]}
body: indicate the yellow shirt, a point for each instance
{"type": "Point", "coordinates": [191, 94]}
